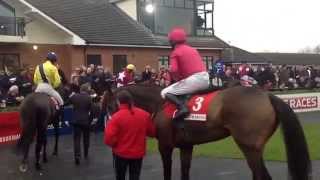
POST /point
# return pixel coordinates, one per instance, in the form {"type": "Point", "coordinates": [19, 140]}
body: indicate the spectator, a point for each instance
{"type": "Point", "coordinates": [2, 100]}
{"type": "Point", "coordinates": [63, 78]}
{"type": "Point", "coordinates": [126, 133]}
{"type": "Point", "coordinates": [266, 79]}
{"type": "Point", "coordinates": [13, 97]}
{"type": "Point", "coordinates": [75, 80]}
{"type": "Point", "coordinates": [126, 77]}
{"type": "Point", "coordinates": [81, 120]}
{"type": "Point", "coordinates": [25, 83]}
{"type": "Point", "coordinates": [85, 77]}
{"type": "Point", "coordinates": [146, 74]}
{"type": "Point", "coordinates": [164, 77]}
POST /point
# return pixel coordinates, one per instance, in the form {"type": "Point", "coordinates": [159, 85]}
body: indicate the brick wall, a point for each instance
{"type": "Point", "coordinates": [31, 58]}
{"type": "Point", "coordinates": [71, 57]}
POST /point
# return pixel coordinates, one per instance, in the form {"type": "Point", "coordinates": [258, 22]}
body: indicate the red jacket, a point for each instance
{"type": "Point", "coordinates": [185, 61]}
{"type": "Point", "coordinates": [126, 132]}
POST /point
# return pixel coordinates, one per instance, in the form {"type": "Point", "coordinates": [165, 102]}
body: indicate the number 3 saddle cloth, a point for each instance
{"type": "Point", "coordinates": [198, 106]}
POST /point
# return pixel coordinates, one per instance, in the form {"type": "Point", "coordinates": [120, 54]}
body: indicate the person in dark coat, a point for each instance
{"type": "Point", "coordinates": [81, 120]}
{"type": "Point", "coordinates": [146, 74]}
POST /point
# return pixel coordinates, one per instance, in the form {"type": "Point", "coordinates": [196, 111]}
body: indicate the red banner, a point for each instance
{"type": "Point", "coordinates": [9, 127]}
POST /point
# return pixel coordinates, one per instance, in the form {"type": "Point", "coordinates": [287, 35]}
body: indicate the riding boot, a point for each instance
{"type": "Point", "coordinates": [182, 108]}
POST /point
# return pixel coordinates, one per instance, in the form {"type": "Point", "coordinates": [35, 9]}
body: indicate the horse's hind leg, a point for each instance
{"type": "Point", "coordinates": [39, 144]}
{"type": "Point", "coordinates": [185, 158]}
{"type": "Point", "coordinates": [44, 156]}
{"type": "Point", "coordinates": [56, 134]}
{"type": "Point", "coordinates": [255, 161]}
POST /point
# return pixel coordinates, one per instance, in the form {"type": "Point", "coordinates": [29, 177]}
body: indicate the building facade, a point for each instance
{"type": "Point", "coordinates": [99, 32]}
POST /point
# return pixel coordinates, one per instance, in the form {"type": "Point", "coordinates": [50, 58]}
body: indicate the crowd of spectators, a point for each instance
{"type": "Point", "coordinates": [15, 86]}
{"type": "Point", "coordinates": [279, 77]}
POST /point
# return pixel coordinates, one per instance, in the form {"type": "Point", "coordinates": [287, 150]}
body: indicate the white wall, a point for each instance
{"type": "Point", "coordinates": [38, 29]}
{"type": "Point", "coordinates": [42, 33]}
{"type": "Point", "coordinates": [129, 7]}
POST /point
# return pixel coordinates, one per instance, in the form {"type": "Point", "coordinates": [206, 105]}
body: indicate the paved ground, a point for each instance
{"type": "Point", "coordinates": [99, 166]}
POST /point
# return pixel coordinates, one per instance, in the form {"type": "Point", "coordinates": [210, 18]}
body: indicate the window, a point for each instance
{"type": "Point", "coordinates": [94, 59]}
{"type": "Point", "coordinates": [196, 17]}
{"type": "Point", "coordinates": [208, 61]}
{"type": "Point", "coordinates": [204, 18]}
{"type": "Point", "coordinates": [119, 62]}
{"type": "Point", "coordinates": [168, 14]}
{"type": "Point", "coordinates": [163, 61]}
{"type": "Point", "coordinates": [9, 62]}
{"type": "Point", "coordinates": [6, 10]}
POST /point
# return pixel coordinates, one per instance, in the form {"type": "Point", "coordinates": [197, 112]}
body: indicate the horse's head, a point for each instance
{"type": "Point", "coordinates": [145, 96]}
{"type": "Point", "coordinates": [109, 102]}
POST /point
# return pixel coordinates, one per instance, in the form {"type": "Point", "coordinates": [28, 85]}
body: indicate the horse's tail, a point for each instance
{"type": "Point", "coordinates": [28, 128]}
{"type": "Point", "coordinates": [299, 164]}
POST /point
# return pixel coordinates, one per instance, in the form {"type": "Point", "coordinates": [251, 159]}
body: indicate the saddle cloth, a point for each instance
{"type": "Point", "coordinates": [198, 106]}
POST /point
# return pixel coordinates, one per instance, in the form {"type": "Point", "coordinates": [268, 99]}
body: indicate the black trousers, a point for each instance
{"type": "Point", "coordinates": [79, 130]}
{"type": "Point", "coordinates": [121, 164]}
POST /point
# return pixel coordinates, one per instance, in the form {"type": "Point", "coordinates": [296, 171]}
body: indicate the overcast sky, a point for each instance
{"type": "Point", "coordinates": [268, 25]}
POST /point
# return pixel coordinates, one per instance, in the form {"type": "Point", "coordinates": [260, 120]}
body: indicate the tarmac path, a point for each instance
{"type": "Point", "coordinates": [100, 165]}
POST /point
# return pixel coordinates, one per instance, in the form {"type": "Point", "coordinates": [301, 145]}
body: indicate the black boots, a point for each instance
{"type": "Point", "coordinates": [182, 108]}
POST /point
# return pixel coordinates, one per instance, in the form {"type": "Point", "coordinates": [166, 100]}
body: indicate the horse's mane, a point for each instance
{"type": "Point", "coordinates": [145, 95]}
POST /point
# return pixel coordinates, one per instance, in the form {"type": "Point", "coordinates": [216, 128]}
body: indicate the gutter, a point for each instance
{"type": "Point", "coordinates": [145, 46]}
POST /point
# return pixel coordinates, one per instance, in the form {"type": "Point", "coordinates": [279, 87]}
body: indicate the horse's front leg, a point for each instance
{"type": "Point", "coordinates": [185, 158]}
{"type": "Point", "coordinates": [166, 156]}
{"type": "Point", "coordinates": [24, 165]}
{"type": "Point", "coordinates": [39, 144]}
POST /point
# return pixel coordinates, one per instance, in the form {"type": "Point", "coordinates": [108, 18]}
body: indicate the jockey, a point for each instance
{"type": "Point", "coordinates": [47, 78]}
{"type": "Point", "coordinates": [126, 77]}
{"type": "Point", "coordinates": [187, 68]}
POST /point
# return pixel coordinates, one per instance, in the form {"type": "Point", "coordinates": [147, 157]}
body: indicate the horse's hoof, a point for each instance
{"type": "Point", "coordinates": [55, 153]}
{"type": "Point", "coordinates": [23, 168]}
{"type": "Point", "coordinates": [38, 167]}
{"type": "Point", "coordinates": [45, 160]}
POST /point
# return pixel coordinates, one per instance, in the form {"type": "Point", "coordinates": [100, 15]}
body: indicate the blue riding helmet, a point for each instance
{"type": "Point", "coordinates": [52, 56]}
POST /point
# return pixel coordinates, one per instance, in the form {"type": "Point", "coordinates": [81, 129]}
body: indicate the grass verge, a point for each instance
{"type": "Point", "coordinates": [274, 151]}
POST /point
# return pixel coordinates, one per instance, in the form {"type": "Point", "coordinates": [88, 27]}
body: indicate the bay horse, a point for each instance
{"type": "Point", "coordinates": [249, 115]}
{"type": "Point", "coordinates": [37, 111]}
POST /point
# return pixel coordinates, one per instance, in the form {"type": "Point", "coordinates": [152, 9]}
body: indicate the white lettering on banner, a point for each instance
{"type": "Point", "coordinates": [9, 138]}
{"type": "Point", "coordinates": [302, 102]}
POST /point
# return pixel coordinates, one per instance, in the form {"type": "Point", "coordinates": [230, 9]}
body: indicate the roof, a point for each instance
{"type": "Point", "coordinates": [292, 58]}
{"type": "Point", "coordinates": [208, 42]}
{"type": "Point", "coordinates": [237, 55]}
{"type": "Point", "coordinates": [100, 22]}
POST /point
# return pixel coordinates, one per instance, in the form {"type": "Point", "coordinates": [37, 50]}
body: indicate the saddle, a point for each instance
{"type": "Point", "coordinates": [197, 103]}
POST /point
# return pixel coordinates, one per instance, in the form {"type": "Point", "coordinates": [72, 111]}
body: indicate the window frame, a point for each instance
{"type": "Point", "coordinates": [205, 13]}
{"type": "Point", "coordinates": [164, 61]}
{"type": "Point", "coordinates": [208, 61]}
{"type": "Point", "coordinates": [3, 60]}
{"type": "Point", "coordinates": [195, 31]}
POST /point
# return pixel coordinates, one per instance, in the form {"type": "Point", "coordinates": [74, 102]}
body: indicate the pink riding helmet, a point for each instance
{"type": "Point", "coordinates": [177, 35]}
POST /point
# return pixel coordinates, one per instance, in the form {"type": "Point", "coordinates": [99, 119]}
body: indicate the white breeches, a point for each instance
{"type": "Point", "coordinates": [191, 84]}
{"type": "Point", "coordinates": [48, 89]}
